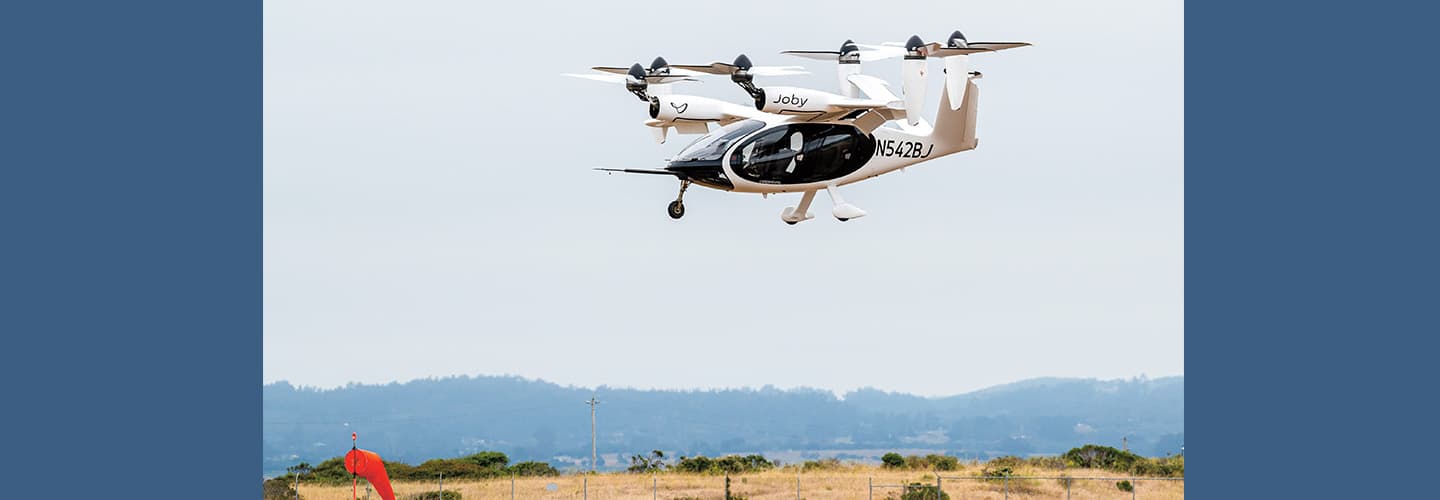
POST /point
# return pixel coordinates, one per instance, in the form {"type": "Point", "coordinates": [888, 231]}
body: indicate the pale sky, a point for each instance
{"type": "Point", "coordinates": [430, 208]}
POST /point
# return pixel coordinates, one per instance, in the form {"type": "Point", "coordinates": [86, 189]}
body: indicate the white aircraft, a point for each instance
{"type": "Point", "coordinates": [798, 140]}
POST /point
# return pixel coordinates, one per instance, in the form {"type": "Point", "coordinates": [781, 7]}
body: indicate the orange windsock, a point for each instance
{"type": "Point", "coordinates": [367, 464]}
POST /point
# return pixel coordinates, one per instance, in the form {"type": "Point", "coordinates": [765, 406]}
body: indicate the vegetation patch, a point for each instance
{"type": "Point", "coordinates": [435, 495]}
{"type": "Point", "coordinates": [921, 491]}
{"type": "Point", "coordinates": [894, 460]}
{"type": "Point", "coordinates": [729, 464]}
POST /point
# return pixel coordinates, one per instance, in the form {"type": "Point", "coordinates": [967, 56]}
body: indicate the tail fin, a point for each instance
{"type": "Point", "coordinates": [955, 128]}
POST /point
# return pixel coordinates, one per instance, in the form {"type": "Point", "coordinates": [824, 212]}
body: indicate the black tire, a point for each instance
{"type": "Point", "coordinates": [792, 222]}
{"type": "Point", "coordinates": [676, 210]}
{"type": "Point", "coordinates": [842, 220]}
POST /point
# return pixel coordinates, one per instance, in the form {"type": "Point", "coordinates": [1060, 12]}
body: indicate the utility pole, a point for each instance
{"type": "Point", "coordinates": [592, 402]}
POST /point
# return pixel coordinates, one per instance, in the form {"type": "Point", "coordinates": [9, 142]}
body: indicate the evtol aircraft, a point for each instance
{"type": "Point", "coordinates": [799, 140]}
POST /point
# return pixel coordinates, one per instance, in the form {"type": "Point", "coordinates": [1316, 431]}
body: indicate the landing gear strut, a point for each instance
{"type": "Point", "coordinates": [677, 207]}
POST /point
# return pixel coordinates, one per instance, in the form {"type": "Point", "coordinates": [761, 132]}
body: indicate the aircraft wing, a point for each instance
{"type": "Point", "coordinates": [874, 88]}
{"type": "Point", "coordinates": [639, 171]}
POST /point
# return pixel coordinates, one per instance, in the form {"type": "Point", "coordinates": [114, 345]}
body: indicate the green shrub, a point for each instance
{"type": "Point", "coordinates": [435, 495]}
{"type": "Point", "coordinates": [921, 491]}
{"type": "Point", "coordinates": [822, 464]}
{"type": "Point", "coordinates": [641, 464]}
{"type": "Point", "coordinates": [1046, 462]}
{"type": "Point", "coordinates": [942, 462]}
{"type": "Point", "coordinates": [488, 459]}
{"type": "Point", "coordinates": [1008, 461]}
{"type": "Point", "coordinates": [1162, 467]}
{"type": "Point", "coordinates": [733, 464]}
{"type": "Point", "coordinates": [1093, 456]}
{"type": "Point", "coordinates": [280, 488]}
{"type": "Point", "coordinates": [1125, 486]}
{"type": "Point", "coordinates": [1108, 458]}
{"type": "Point", "coordinates": [998, 469]}
{"type": "Point", "coordinates": [451, 468]}
{"type": "Point", "coordinates": [892, 460]}
{"type": "Point", "coordinates": [533, 469]}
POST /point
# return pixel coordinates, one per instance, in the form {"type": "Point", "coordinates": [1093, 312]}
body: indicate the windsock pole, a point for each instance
{"type": "Point", "coordinates": [354, 482]}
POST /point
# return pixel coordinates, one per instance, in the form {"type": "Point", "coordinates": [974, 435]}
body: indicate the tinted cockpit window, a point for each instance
{"type": "Point", "coordinates": [712, 146]}
{"type": "Point", "coordinates": [801, 153]}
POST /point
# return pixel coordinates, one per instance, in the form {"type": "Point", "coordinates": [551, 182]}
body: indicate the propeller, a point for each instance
{"type": "Point", "coordinates": [912, 71]}
{"type": "Point", "coordinates": [955, 45]}
{"type": "Point", "coordinates": [742, 65]}
{"type": "Point", "coordinates": [637, 78]}
{"type": "Point", "coordinates": [743, 72]}
{"type": "Point", "coordinates": [850, 53]}
{"type": "Point", "coordinates": [849, 58]}
{"type": "Point", "coordinates": [955, 54]}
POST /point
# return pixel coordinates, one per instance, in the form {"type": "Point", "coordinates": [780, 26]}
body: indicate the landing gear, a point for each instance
{"type": "Point", "coordinates": [799, 213]}
{"type": "Point", "coordinates": [843, 211]}
{"type": "Point", "coordinates": [677, 207]}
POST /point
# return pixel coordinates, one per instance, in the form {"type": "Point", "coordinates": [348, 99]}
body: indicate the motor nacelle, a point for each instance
{"type": "Point", "coordinates": [674, 107]}
{"type": "Point", "coordinates": [795, 100]}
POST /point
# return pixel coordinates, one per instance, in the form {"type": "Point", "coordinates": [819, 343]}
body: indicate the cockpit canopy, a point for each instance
{"type": "Point", "coordinates": [712, 146]}
{"type": "Point", "coordinates": [802, 153]}
{"type": "Point", "coordinates": [792, 153]}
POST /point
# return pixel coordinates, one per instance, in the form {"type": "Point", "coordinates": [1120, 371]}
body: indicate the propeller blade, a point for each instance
{"type": "Point", "coordinates": [994, 46]}
{"type": "Point", "coordinates": [612, 69]}
{"type": "Point", "coordinates": [652, 80]}
{"type": "Point", "coordinates": [819, 55]}
{"type": "Point", "coordinates": [778, 70]}
{"type": "Point", "coordinates": [711, 69]}
{"type": "Point", "coordinates": [599, 77]}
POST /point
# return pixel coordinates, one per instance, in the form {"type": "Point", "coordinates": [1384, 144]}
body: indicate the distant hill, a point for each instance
{"type": "Point", "coordinates": [537, 420]}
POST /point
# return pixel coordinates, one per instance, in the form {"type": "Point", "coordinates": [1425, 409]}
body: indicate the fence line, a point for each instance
{"type": "Point", "coordinates": [872, 486]}
{"type": "Point", "coordinates": [1134, 481]}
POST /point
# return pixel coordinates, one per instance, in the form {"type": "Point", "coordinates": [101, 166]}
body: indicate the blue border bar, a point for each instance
{"type": "Point", "coordinates": [1311, 231]}
{"type": "Point", "coordinates": [132, 273]}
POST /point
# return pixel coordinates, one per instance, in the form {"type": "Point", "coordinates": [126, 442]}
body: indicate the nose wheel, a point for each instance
{"type": "Point", "coordinates": [677, 207]}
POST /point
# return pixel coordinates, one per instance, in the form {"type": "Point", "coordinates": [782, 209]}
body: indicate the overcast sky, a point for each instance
{"type": "Point", "coordinates": [430, 208]}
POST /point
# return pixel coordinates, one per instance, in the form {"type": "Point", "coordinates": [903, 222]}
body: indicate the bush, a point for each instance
{"type": "Point", "coordinates": [999, 468]}
{"type": "Point", "coordinates": [733, 464]}
{"type": "Point", "coordinates": [1162, 467]}
{"type": "Point", "coordinates": [279, 488]}
{"type": "Point", "coordinates": [451, 468]}
{"type": "Point", "coordinates": [435, 495]}
{"type": "Point", "coordinates": [1008, 462]}
{"type": "Point", "coordinates": [893, 460]}
{"type": "Point", "coordinates": [822, 464]}
{"type": "Point", "coordinates": [942, 462]}
{"type": "Point", "coordinates": [533, 469]}
{"type": "Point", "coordinates": [1125, 486]}
{"type": "Point", "coordinates": [1093, 456]}
{"type": "Point", "coordinates": [921, 491]}
{"type": "Point", "coordinates": [1105, 457]}
{"type": "Point", "coordinates": [488, 459]}
{"type": "Point", "coordinates": [1050, 462]}
{"type": "Point", "coordinates": [641, 464]}
{"type": "Point", "coordinates": [330, 472]}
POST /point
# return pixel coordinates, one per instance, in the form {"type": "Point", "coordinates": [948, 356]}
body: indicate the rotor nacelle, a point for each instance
{"type": "Point", "coordinates": [674, 107]}
{"type": "Point", "coordinates": [796, 100]}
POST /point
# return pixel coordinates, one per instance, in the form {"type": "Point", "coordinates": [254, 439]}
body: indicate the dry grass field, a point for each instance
{"type": "Point", "coordinates": [848, 484]}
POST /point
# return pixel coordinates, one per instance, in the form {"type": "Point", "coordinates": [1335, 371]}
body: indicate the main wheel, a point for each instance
{"type": "Point", "coordinates": [676, 209]}
{"type": "Point", "coordinates": [792, 222]}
